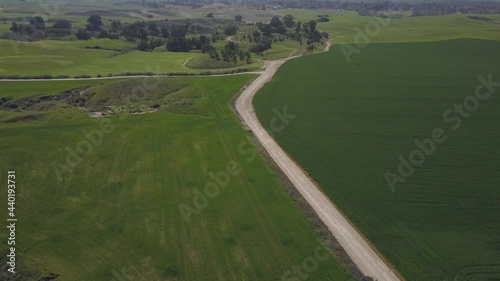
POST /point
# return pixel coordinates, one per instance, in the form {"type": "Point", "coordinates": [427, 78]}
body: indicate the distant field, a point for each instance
{"type": "Point", "coordinates": [353, 120]}
{"type": "Point", "coordinates": [408, 29]}
{"type": "Point", "coordinates": [128, 11]}
{"type": "Point", "coordinates": [116, 215]}
{"type": "Point", "coordinates": [72, 58]}
{"type": "Point", "coordinates": [223, 11]}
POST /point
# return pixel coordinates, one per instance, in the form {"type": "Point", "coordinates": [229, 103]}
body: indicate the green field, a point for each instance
{"type": "Point", "coordinates": [354, 120]}
{"type": "Point", "coordinates": [342, 27]}
{"type": "Point", "coordinates": [72, 58]}
{"type": "Point", "coordinates": [116, 216]}
{"type": "Point", "coordinates": [12, 89]}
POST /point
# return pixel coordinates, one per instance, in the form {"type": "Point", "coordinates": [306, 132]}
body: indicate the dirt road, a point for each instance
{"type": "Point", "coordinates": [355, 245]}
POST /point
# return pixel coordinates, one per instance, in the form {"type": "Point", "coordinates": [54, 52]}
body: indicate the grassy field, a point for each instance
{"type": "Point", "coordinates": [116, 216]}
{"type": "Point", "coordinates": [72, 58]}
{"type": "Point", "coordinates": [342, 27]}
{"type": "Point", "coordinates": [205, 62]}
{"type": "Point", "coordinates": [22, 89]}
{"type": "Point", "coordinates": [354, 120]}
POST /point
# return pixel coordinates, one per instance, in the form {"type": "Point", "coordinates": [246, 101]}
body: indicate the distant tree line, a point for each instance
{"type": "Point", "coordinates": [428, 8]}
{"type": "Point", "coordinates": [36, 28]}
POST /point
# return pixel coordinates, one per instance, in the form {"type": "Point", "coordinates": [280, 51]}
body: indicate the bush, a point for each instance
{"type": "Point", "coordinates": [83, 76]}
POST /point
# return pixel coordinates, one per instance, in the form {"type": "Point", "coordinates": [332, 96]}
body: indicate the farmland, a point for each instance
{"type": "Point", "coordinates": [50, 57]}
{"type": "Point", "coordinates": [133, 178]}
{"type": "Point", "coordinates": [115, 215]}
{"type": "Point", "coordinates": [343, 27]}
{"type": "Point", "coordinates": [353, 120]}
{"type": "Point", "coordinates": [66, 52]}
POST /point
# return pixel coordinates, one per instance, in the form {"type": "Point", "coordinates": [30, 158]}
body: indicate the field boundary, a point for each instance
{"type": "Point", "coordinates": [310, 215]}
{"type": "Point", "coordinates": [162, 75]}
{"type": "Point", "coordinates": [373, 264]}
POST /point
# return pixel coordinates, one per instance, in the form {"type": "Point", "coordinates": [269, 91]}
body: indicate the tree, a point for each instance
{"type": "Point", "coordinates": [205, 43]}
{"type": "Point", "coordinates": [178, 31]}
{"type": "Point", "coordinates": [26, 29]}
{"type": "Point", "coordinates": [210, 15]}
{"type": "Point", "coordinates": [261, 45]}
{"type": "Point", "coordinates": [298, 26]}
{"type": "Point", "coordinates": [275, 22]}
{"type": "Point", "coordinates": [38, 22]}
{"type": "Point", "coordinates": [281, 29]}
{"type": "Point", "coordinates": [103, 34]}
{"type": "Point", "coordinates": [62, 24]}
{"type": "Point", "coordinates": [312, 25]}
{"type": "Point", "coordinates": [214, 54]}
{"type": "Point", "coordinates": [116, 25]}
{"type": "Point", "coordinates": [164, 32]}
{"type": "Point", "coordinates": [142, 34]}
{"type": "Point", "coordinates": [177, 44]}
{"type": "Point", "coordinates": [323, 18]}
{"type": "Point", "coordinates": [230, 30]}
{"type": "Point", "coordinates": [256, 35]}
{"type": "Point", "coordinates": [288, 21]}
{"type": "Point", "coordinates": [82, 35]}
{"type": "Point", "coordinates": [153, 29]}
{"type": "Point", "coordinates": [238, 18]}
{"type": "Point", "coordinates": [14, 27]}
{"type": "Point", "coordinates": [248, 57]}
{"type": "Point", "coordinates": [94, 23]}
{"type": "Point", "coordinates": [266, 29]}
{"type": "Point", "coordinates": [143, 46]}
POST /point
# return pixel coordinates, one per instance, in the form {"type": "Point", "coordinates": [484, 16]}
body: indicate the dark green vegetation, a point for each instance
{"type": "Point", "coordinates": [354, 120]}
{"type": "Point", "coordinates": [115, 216]}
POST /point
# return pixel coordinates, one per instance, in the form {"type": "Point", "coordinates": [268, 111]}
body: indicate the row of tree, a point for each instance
{"type": "Point", "coordinates": [36, 28]}
{"type": "Point", "coordinates": [370, 8]}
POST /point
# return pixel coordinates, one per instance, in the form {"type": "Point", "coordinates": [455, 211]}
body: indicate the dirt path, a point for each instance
{"type": "Point", "coordinates": [355, 245]}
{"type": "Point", "coordinates": [184, 64]}
{"type": "Point", "coordinates": [131, 76]}
{"type": "Point", "coordinates": [328, 45]}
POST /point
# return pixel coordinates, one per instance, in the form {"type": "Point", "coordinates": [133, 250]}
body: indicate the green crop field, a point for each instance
{"type": "Point", "coordinates": [344, 26]}
{"type": "Point", "coordinates": [354, 120]}
{"type": "Point", "coordinates": [115, 213]}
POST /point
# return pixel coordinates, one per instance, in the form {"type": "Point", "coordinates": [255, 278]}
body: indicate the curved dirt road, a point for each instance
{"type": "Point", "coordinates": [361, 253]}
